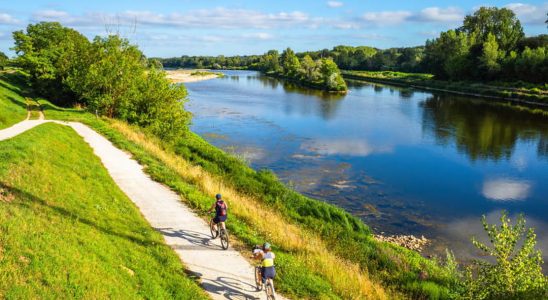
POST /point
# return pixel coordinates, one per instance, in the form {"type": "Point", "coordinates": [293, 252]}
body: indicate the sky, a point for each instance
{"type": "Point", "coordinates": [168, 28]}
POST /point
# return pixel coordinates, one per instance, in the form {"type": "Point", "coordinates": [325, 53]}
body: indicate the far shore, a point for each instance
{"type": "Point", "coordinates": [190, 75]}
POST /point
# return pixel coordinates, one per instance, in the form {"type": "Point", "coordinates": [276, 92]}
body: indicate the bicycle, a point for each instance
{"type": "Point", "coordinates": [268, 286]}
{"type": "Point", "coordinates": [219, 231]}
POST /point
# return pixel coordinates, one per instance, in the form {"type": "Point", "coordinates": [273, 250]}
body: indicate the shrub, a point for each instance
{"type": "Point", "coordinates": [516, 272]}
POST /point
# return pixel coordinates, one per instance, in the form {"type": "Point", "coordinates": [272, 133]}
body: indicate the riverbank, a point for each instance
{"type": "Point", "coordinates": [520, 93]}
{"type": "Point", "coordinates": [185, 75]}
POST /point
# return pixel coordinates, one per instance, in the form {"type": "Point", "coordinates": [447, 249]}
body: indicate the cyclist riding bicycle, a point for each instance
{"type": "Point", "coordinates": [220, 212]}
{"type": "Point", "coordinates": [267, 257]}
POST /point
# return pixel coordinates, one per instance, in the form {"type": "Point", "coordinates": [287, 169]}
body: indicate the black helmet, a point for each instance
{"type": "Point", "coordinates": [218, 196]}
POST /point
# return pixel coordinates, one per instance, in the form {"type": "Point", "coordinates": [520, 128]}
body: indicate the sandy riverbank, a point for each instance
{"type": "Point", "coordinates": [178, 76]}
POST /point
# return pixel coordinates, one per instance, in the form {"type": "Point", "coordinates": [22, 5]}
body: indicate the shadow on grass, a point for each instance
{"type": "Point", "coordinates": [63, 212]}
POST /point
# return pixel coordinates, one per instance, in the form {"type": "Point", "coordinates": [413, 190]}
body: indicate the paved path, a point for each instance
{"type": "Point", "coordinates": [224, 274]}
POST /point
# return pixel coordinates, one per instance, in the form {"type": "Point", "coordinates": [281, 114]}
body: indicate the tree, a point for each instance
{"type": "Point", "coordinates": [3, 60]}
{"type": "Point", "coordinates": [290, 63]}
{"type": "Point", "coordinates": [501, 22]}
{"type": "Point", "coordinates": [331, 75]}
{"type": "Point", "coordinates": [489, 58]}
{"type": "Point", "coordinates": [50, 53]}
{"type": "Point", "coordinates": [516, 272]}
{"type": "Point", "coordinates": [310, 69]}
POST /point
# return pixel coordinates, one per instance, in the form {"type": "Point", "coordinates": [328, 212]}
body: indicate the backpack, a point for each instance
{"type": "Point", "coordinates": [220, 208]}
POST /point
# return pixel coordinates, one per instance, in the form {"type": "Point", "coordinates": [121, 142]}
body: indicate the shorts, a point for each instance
{"type": "Point", "coordinates": [268, 272]}
{"type": "Point", "coordinates": [219, 219]}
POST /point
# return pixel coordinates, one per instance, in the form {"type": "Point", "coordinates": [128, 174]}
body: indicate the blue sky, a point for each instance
{"type": "Point", "coordinates": [213, 27]}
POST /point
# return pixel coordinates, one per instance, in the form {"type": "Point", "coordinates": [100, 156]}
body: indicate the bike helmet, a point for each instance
{"type": "Point", "coordinates": [218, 196]}
{"type": "Point", "coordinates": [266, 246]}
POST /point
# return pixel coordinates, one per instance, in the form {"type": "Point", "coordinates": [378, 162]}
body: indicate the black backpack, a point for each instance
{"type": "Point", "coordinates": [220, 208]}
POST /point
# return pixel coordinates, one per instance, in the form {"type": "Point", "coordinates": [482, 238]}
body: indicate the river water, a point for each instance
{"type": "Point", "coordinates": [405, 161]}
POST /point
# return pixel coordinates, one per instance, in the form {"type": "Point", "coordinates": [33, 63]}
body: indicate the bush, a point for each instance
{"type": "Point", "coordinates": [516, 272]}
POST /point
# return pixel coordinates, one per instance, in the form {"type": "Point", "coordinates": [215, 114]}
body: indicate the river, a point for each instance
{"type": "Point", "coordinates": [404, 161]}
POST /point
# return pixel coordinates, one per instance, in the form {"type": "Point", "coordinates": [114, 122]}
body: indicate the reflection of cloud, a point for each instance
{"type": "Point", "coordinates": [519, 162]}
{"type": "Point", "coordinates": [506, 189]}
{"type": "Point", "coordinates": [343, 147]}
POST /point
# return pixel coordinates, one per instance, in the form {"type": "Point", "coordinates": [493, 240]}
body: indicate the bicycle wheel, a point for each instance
{"type": "Point", "coordinates": [258, 279]}
{"type": "Point", "coordinates": [214, 233]}
{"type": "Point", "coordinates": [224, 239]}
{"type": "Point", "coordinates": [269, 289]}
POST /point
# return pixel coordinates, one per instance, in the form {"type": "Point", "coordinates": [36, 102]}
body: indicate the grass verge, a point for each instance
{"type": "Point", "coordinates": [67, 230]}
{"type": "Point", "coordinates": [13, 106]}
{"type": "Point", "coordinates": [515, 91]}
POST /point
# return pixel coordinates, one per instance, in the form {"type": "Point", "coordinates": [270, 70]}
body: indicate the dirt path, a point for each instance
{"type": "Point", "coordinates": [223, 274]}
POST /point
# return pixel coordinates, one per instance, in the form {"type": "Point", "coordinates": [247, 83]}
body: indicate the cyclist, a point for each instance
{"type": "Point", "coordinates": [220, 208]}
{"type": "Point", "coordinates": [267, 257]}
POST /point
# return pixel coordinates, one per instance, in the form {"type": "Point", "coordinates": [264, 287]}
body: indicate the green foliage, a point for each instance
{"type": "Point", "coordinates": [320, 74]}
{"type": "Point", "coordinates": [68, 231]}
{"type": "Point", "coordinates": [108, 76]}
{"type": "Point", "coordinates": [516, 271]}
{"type": "Point", "coordinates": [489, 46]}
{"type": "Point", "coordinates": [490, 56]}
{"type": "Point", "coordinates": [3, 60]}
{"type": "Point", "coordinates": [500, 22]}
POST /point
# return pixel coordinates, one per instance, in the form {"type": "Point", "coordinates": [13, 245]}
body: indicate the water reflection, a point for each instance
{"type": "Point", "coordinates": [350, 147]}
{"type": "Point", "coordinates": [504, 189]}
{"type": "Point", "coordinates": [480, 129]}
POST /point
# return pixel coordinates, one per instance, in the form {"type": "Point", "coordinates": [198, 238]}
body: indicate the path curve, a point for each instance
{"type": "Point", "coordinates": [224, 274]}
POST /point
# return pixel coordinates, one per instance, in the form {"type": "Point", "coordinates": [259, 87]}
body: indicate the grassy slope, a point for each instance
{"type": "Point", "coordinates": [67, 231]}
{"type": "Point", "coordinates": [12, 104]}
{"type": "Point", "coordinates": [535, 93]}
{"type": "Point", "coordinates": [322, 251]}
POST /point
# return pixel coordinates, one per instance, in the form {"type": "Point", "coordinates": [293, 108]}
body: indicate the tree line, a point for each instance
{"type": "Point", "coordinates": [490, 45]}
{"type": "Point", "coordinates": [107, 75]}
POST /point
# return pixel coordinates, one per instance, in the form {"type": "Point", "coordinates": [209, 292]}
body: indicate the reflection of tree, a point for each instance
{"type": "Point", "coordinates": [482, 129]}
{"type": "Point", "coordinates": [327, 102]}
{"type": "Point", "coordinates": [406, 93]}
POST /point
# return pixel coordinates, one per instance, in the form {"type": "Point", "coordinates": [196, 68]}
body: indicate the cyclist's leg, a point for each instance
{"type": "Point", "coordinates": [215, 223]}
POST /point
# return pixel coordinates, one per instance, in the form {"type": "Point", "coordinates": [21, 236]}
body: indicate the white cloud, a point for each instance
{"type": "Point", "coordinates": [506, 189]}
{"type": "Point", "coordinates": [387, 17]}
{"type": "Point", "coordinates": [202, 18]}
{"type": "Point", "coordinates": [528, 13]}
{"type": "Point", "coordinates": [259, 36]}
{"type": "Point", "coordinates": [7, 19]}
{"type": "Point", "coordinates": [429, 14]}
{"type": "Point", "coordinates": [437, 14]}
{"type": "Point", "coordinates": [334, 4]}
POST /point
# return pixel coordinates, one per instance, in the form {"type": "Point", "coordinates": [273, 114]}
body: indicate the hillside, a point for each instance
{"type": "Point", "coordinates": [68, 231]}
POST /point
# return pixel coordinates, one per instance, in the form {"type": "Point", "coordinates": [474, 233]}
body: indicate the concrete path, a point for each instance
{"type": "Point", "coordinates": [224, 274]}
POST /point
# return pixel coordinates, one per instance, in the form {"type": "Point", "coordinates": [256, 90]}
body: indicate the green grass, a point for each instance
{"type": "Point", "coordinates": [67, 231]}
{"type": "Point", "coordinates": [521, 91]}
{"type": "Point", "coordinates": [12, 103]}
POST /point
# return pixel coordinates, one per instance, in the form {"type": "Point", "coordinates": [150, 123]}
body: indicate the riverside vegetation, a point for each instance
{"type": "Point", "coordinates": [323, 251]}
